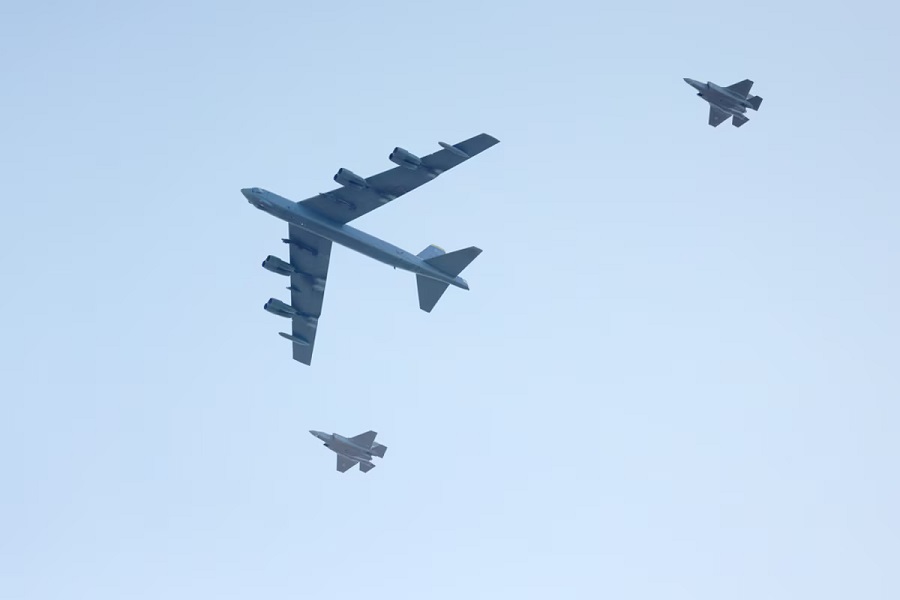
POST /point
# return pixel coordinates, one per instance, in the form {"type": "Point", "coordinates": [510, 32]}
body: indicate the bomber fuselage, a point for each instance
{"type": "Point", "coordinates": [339, 233]}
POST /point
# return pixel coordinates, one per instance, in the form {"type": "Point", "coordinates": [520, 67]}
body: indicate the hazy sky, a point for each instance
{"type": "Point", "coordinates": [676, 375]}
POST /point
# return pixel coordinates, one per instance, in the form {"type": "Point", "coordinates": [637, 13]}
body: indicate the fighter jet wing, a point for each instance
{"type": "Point", "coordinates": [347, 203]}
{"type": "Point", "coordinates": [741, 88]}
{"type": "Point", "coordinates": [364, 440]}
{"type": "Point", "coordinates": [344, 463]}
{"type": "Point", "coordinates": [717, 115]}
{"type": "Point", "coordinates": [310, 255]}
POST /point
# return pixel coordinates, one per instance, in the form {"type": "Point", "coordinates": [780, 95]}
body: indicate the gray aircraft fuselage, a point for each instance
{"type": "Point", "coordinates": [341, 445]}
{"type": "Point", "coordinates": [339, 233]}
{"type": "Point", "coordinates": [721, 97]}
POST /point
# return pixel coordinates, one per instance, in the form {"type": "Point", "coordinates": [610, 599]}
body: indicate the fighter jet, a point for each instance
{"type": "Point", "coordinates": [314, 223]}
{"type": "Point", "coordinates": [358, 449]}
{"type": "Point", "coordinates": [732, 101]}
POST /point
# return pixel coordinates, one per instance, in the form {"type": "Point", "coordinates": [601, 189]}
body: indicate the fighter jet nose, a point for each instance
{"type": "Point", "coordinates": [255, 197]}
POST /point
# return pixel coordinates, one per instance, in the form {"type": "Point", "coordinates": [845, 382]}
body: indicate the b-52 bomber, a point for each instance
{"type": "Point", "coordinates": [314, 223]}
{"type": "Point", "coordinates": [724, 102]}
{"type": "Point", "coordinates": [350, 451]}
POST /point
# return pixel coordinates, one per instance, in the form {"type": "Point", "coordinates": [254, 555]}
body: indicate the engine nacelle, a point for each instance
{"type": "Point", "coordinates": [276, 265]}
{"type": "Point", "coordinates": [348, 178]}
{"type": "Point", "coordinates": [277, 307]}
{"type": "Point", "coordinates": [405, 159]}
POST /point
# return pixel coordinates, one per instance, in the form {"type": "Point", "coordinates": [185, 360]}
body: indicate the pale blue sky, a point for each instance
{"type": "Point", "coordinates": [675, 376]}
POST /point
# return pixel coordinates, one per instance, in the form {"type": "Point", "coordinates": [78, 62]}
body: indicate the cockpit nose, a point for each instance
{"type": "Point", "coordinates": [255, 197]}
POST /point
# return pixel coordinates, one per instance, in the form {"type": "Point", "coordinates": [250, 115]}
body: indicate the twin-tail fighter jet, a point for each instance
{"type": "Point", "coordinates": [350, 451]}
{"type": "Point", "coordinates": [724, 102]}
{"type": "Point", "coordinates": [317, 222]}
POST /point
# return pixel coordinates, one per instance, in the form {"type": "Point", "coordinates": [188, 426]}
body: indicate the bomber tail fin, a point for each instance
{"type": "Point", "coordinates": [366, 467]}
{"type": "Point", "coordinates": [452, 264]}
{"type": "Point", "coordinates": [431, 252]}
{"type": "Point", "coordinates": [430, 291]}
{"type": "Point", "coordinates": [754, 101]}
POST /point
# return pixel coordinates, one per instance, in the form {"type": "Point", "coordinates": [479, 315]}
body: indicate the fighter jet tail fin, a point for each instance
{"type": "Point", "coordinates": [366, 467]}
{"type": "Point", "coordinates": [739, 120]}
{"type": "Point", "coordinates": [430, 291]}
{"type": "Point", "coordinates": [378, 450]}
{"type": "Point", "coordinates": [754, 101]}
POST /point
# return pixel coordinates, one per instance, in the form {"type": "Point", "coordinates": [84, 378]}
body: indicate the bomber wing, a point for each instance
{"type": "Point", "coordinates": [717, 115]}
{"type": "Point", "coordinates": [310, 255]}
{"type": "Point", "coordinates": [351, 202]}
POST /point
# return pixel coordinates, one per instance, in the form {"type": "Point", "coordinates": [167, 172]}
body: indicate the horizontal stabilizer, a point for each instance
{"type": "Point", "coordinates": [378, 450]}
{"type": "Point", "coordinates": [453, 263]}
{"type": "Point", "coordinates": [430, 291]}
{"type": "Point", "coordinates": [366, 467]}
{"type": "Point", "coordinates": [754, 101]}
{"type": "Point", "coordinates": [739, 120]}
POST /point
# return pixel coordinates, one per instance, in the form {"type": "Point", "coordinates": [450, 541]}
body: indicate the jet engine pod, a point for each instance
{"type": "Point", "coordinates": [348, 178]}
{"type": "Point", "coordinates": [405, 159]}
{"type": "Point", "coordinates": [276, 265]}
{"type": "Point", "coordinates": [277, 307]}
